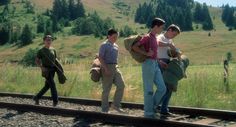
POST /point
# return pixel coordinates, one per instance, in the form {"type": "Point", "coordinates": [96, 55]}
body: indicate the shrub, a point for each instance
{"type": "Point", "coordinates": [29, 58]}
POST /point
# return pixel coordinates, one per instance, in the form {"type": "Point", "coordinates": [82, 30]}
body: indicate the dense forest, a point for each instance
{"type": "Point", "coordinates": [229, 17]}
{"type": "Point", "coordinates": [180, 12]}
{"type": "Point", "coordinates": [72, 14]}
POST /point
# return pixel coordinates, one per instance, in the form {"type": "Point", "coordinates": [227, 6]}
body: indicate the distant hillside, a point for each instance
{"type": "Point", "coordinates": [202, 47]}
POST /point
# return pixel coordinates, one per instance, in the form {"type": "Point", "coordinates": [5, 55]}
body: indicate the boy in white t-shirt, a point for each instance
{"type": "Point", "coordinates": [164, 43]}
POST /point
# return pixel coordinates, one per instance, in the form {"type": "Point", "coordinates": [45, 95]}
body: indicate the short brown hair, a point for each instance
{"type": "Point", "coordinates": [158, 22]}
{"type": "Point", "coordinates": [111, 32]}
{"type": "Point", "coordinates": [174, 27]}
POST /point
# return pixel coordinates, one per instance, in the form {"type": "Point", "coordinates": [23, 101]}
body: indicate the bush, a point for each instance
{"type": "Point", "coordinates": [26, 36]}
{"type": "Point", "coordinates": [29, 58]}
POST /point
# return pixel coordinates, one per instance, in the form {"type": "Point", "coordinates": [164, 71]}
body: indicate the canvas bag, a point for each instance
{"type": "Point", "coordinates": [129, 42]}
{"type": "Point", "coordinates": [95, 71]}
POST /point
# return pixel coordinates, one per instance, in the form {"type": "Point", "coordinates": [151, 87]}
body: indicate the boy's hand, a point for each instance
{"type": "Point", "coordinates": [150, 53]}
{"type": "Point", "coordinates": [163, 64]}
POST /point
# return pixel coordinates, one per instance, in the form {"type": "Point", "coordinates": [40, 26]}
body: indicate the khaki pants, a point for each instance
{"type": "Point", "coordinates": [107, 81]}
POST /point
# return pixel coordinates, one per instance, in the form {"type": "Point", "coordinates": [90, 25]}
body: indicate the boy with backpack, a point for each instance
{"type": "Point", "coordinates": [175, 71]}
{"type": "Point", "coordinates": [108, 57]}
{"type": "Point", "coordinates": [150, 69]}
{"type": "Point", "coordinates": [165, 43]}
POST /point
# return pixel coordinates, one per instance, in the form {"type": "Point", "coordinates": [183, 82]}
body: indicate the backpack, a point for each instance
{"type": "Point", "coordinates": [95, 71]}
{"type": "Point", "coordinates": [129, 42]}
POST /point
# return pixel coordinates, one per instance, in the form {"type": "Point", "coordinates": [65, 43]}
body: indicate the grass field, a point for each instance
{"type": "Point", "coordinates": [202, 88]}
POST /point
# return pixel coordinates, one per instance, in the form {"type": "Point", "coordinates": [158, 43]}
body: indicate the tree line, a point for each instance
{"type": "Point", "coordinates": [228, 17]}
{"type": "Point", "coordinates": [174, 11]}
{"type": "Point", "coordinates": [64, 13]}
{"type": "Point", "coordinates": [11, 31]}
{"type": "Point", "coordinates": [201, 15]}
{"type": "Point", "coordinates": [4, 2]}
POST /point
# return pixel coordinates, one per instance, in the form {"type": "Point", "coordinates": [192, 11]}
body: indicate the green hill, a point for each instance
{"type": "Point", "coordinates": [197, 45]}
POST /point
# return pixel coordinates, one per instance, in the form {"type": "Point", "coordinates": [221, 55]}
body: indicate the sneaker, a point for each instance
{"type": "Point", "coordinates": [167, 114]}
{"type": "Point", "coordinates": [105, 111]}
{"type": "Point", "coordinates": [117, 109]}
{"type": "Point", "coordinates": [54, 104]}
{"type": "Point", "coordinates": [36, 100]}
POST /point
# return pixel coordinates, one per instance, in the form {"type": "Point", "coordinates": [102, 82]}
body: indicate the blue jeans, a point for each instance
{"type": "Point", "coordinates": [166, 98]}
{"type": "Point", "coordinates": [152, 75]}
{"type": "Point", "coordinates": [165, 101]}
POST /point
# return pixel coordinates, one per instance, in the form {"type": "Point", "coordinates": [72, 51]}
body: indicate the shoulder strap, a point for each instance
{"type": "Point", "coordinates": [53, 63]}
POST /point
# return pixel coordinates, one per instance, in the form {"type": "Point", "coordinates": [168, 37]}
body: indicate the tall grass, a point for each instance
{"type": "Point", "coordinates": [202, 88]}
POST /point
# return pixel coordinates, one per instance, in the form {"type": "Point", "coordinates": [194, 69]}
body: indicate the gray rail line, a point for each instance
{"type": "Point", "coordinates": [118, 118]}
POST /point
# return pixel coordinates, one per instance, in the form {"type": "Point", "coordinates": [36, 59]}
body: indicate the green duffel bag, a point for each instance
{"type": "Point", "coordinates": [60, 72]}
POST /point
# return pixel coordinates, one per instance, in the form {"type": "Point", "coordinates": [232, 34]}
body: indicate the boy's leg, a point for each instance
{"type": "Point", "coordinates": [165, 101]}
{"type": "Point", "coordinates": [148, 76]}
{"type": "Point", "coordinates": [161, 88]}
{"type": "Point", "coordinates": [42, 91]}
{"type": "Point", "coordinates": [107, 81]}
{"type": "Point", "coordinates": [53, 88]}
{"type": "Point", "coordinates": [120, 85]}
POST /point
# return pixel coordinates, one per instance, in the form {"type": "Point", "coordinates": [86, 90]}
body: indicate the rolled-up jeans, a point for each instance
{"type": "Point", "coordinates": [151, 74]}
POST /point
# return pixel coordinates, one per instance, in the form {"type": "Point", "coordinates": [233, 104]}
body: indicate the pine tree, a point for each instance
{"type": "Point", "coordinates": [41, 24]}
{"type": "Point", "coordinates": [4, 2]}
{"type": "Point", "coordinates": [72, 10]}
{"type": "Point", "coordinates": [29, 7]}
{"type": "Point", "coordinates": [225, 13]}
{"type": "Point", "coordinates": [56, 10]}
{"type": "Point", "coordinates": [138, 13]}
{"type": "Point", "coordinates": [64, 10]}
{"type": "Point", "coordinates": [230, 19]}
{"type": "Point", "coordinates": [207, 24]}
{"type": "Point", "coordinates": [26, 36]}
{"type": "Point", "coordinates": [5, 14]}
{"type": "Point", "coordinates": [198, 13]}
{"type": "Point", "coordinates": [80, 9]}
{"type": "Point", "coordinates": [4, 34]}
{"type": "Point", "coordinates": [48, 27]}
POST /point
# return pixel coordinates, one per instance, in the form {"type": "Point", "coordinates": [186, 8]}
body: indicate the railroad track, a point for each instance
{"type": "Point", "coordinates": [184, 116]}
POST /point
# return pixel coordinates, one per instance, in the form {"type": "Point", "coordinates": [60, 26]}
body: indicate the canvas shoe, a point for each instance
{"type": "Point", "coordinates": [117, 109]}
{"type": "Point", "coordinates": [36, 101]}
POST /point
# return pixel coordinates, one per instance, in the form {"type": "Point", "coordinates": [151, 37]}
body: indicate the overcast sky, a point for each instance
{"type": "Point", "coordinates": [218, 2]}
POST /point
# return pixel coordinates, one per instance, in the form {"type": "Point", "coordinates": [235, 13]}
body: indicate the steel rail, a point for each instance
{"type": "Point", "coordinates": [213, 113]}
{"type": "Point", "coordinates": [120, 119]}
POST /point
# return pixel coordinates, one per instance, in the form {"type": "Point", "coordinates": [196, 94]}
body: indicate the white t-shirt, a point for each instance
{"type": "Point", "coordinates": [162, 51]}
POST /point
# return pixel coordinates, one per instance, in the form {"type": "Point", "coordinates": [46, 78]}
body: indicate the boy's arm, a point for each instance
{"type": "Point", "coordinates": [163, 44]}
{"type": "Point", "coordinates": [136, 47]}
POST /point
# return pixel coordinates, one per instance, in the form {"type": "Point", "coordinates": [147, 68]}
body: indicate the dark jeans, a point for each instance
{"type": "Point", "coordinates": [166, 98]}
{"type": "Point", "coordinates": [165, 101]}
{"type": "Point", "coordinates": [49, 83]}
